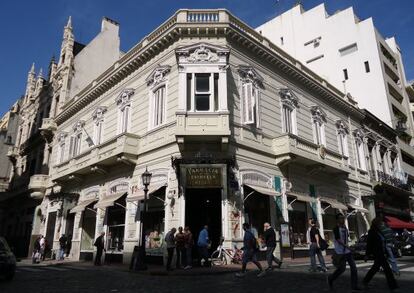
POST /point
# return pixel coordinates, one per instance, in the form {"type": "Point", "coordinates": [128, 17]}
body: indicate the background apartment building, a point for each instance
{"type": "Point", "coordinates": [353, 56]}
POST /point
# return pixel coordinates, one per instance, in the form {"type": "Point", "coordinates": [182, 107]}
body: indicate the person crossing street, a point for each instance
{"type": "Point", "coordinates": [270, 241]}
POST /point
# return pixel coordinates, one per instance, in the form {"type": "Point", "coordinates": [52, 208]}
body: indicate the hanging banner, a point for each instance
{"type": "Point", "coordinates": [314, 207]}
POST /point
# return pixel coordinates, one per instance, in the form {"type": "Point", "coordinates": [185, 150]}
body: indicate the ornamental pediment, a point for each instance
{"type": "Point", "coordinates": [249, 74]}
{"type": "Point", "coordinates": [124, 98]}
{"type": "Point", "coordinates": [202, 53]}
{"type": "Point", "coordinates": [288, 97]}
{"type": "Point", "coordinates": [318, 113]}
{"type": "Point", "coordinates": [342, 127]}
{"type": "Point", "coordinates": [99, 113]}
{"type": "Point", "coordinates": [158, 75]}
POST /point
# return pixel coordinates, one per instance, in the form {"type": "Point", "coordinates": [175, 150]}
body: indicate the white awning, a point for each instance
{"type": "Point", "coordinates": [263, 190]}
{"type": "Point", "coordinates": [81, 206]}
{"type": "Point", "coordinates": [334, 203]}
{"type": "Point", "coordinates": [141, 194]}
{"type": "Point", "coordinates": [109, 200]}
{"type": "Point", "coordinates": [301, 197]}
{"type": "Point", "coordinates": [358, 208]}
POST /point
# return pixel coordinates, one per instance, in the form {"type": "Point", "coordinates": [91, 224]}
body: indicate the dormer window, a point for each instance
{"type": "Point", "coordinates": [318, 125]}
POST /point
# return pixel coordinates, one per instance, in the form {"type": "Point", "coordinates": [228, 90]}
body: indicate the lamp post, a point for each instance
{"type": "Point", "coordinates": [140, 264]}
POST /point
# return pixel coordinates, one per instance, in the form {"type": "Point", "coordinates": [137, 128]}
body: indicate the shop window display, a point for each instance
{"type": "Point", "coordinates": [257, 208]}
{"type": "Point", "coordinates": [329, 223]}
{"type": "Point", "coordinates": [353, 228]}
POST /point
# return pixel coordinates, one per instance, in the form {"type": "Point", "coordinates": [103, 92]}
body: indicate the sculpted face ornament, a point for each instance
{"type": "Point", "coordinates": [202, 54]}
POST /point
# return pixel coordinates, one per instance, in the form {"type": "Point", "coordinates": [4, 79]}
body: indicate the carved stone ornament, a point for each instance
{"type": "Point", "coordinates": [202, 53]}
{"type": "Point", "coordinates": [318, 115]}
{"type": "Point", "coordinates": [98, 114]}
{"type": "Point", "coordinates": [341, 127]}
{"type": "Point", "coordinates": [158, 75]}
{"type": "Point", "coordinates": [249, 74]}
{"type": "Point", "coordinates": [124, 98]}
{"type": "Point", "coordinates": [78, 126]}
{"type": "Point", "coordinates": [359, 135]}
{"type": "Point", "coordinates": [288, 98]}
{"type": "Point", "coordinates": [61, 136]}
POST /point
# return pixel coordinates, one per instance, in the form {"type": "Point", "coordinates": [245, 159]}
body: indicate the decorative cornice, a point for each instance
{"type": "Point", "coordinates": [158, 75]}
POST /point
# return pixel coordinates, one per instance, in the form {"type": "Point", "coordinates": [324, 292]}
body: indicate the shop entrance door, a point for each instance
{"type": "Point", "coordinates": [203, 207]}
{"type": "Point", "coordinates": [50, 231]}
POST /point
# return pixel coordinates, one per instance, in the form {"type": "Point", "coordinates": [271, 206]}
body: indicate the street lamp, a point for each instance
{"type": "Point", "coordinates": [140, 262]}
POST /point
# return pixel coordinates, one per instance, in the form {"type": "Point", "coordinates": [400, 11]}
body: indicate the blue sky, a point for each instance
{"type": "Point", "coordinates": [31, 31]}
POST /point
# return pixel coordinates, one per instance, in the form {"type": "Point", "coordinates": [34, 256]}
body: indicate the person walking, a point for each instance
{"type": "Point", "coordinates": [36, 251]}
{"type": "Point", "coordinates": [62, 247]}
{"type": "Point", "coordinates": [180, 248]}
{"type": "Point", "coordinates": [376, 246]}
{"type": "Point", "coordinates": [314, 237]}
{"type": "Point", "coordinates": [389, 237]}
{"type": "Point", "coordinates": [100, 247]}
{"type": "Point", "coordinates": [188, 246]}
{"type": "Point", "coordinates": [43, 244]}
{"type": "Point", "coordinates": [250, 248]}
{"type": "Point", "coordinates": [270, 241]}
{"type": "Point", "coordinates": [344, 254]}
{"type": "Point", "coordinates": [170, 241]}
{"type": "Point", "coordinates": [203, 244]}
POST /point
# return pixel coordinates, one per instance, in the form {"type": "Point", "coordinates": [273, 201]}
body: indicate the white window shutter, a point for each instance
{"type": "Point", "coordinates": [248, 103]}
{"type": "Point", "coordinates": [257, 107]}
{"type": "Point", "coordinates": [71, 146]}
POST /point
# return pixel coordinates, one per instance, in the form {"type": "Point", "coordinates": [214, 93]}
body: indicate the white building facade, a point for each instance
{"type": "Point", "coordinates": [232, 129]}
{"type": "Point", "coordinates": [353, 56]}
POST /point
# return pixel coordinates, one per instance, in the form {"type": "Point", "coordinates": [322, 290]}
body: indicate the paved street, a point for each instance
{"type": "Point", "coordinates": [81, 277]}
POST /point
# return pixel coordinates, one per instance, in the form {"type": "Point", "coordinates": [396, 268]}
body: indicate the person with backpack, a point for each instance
{"type": "Point", "coordinates": [270, 241]}
{"type": "Point", "coordinates": [250, 249]}
{"type": "Point", "coordinates": [314, 240]}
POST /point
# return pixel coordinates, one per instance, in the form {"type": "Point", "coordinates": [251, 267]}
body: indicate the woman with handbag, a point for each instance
{"type": "Point", "coordinates": [314, 239]}
{"type": "Point", "coordinates": [343, 255]}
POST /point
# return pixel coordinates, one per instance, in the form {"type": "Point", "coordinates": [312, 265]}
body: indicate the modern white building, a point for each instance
{"type": "Point", "coordinates": [352, 55]}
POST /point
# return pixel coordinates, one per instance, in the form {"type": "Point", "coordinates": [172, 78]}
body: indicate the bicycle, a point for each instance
{"type": "Point", "coordinates": [219, 257]}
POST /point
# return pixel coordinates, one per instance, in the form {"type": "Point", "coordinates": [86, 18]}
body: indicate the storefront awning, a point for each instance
{"type": "Point", "coordinates": [109, 200]}
{"type": "Point", "coordinates": [334, 203]}
{"type": "Point", "coordinates": [301, 197]}
{"type": "Point", "coordinates": [263, 190]}
{"type": "Point", "coordinates": [81, 206]}
{"type": "Point", "coordinates": [396, 223]}
{"type": "Point", "coordinates": [358, 208]}
{"type": "Point", "coordinates": [140, 194]}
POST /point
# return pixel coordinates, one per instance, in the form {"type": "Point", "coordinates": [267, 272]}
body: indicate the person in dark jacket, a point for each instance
{"type": "Point", "coordinates": [100, 247]}
{"type": "Point", "coordinates": [62, 247]}
{"type": "Point", "coordinates": [376, 247]}
{"type": "Point", "coordinates": [270, 240]}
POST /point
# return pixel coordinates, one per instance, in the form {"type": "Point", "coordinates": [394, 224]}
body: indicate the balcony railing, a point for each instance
{"type": "Point", "coordinates": [37, 185]}
{"type": "Point", "coordinates": [123, 148]}
{"type": "Point", "coordinates": [392, 180]}
{"type": "Point", "coordinates": [201, 124]}
{"type": "Point", "coordinates": [291, 148]}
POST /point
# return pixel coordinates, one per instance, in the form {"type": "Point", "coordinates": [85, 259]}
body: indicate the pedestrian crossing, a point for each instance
{"type": "Point", "coordinates": [404, 267]}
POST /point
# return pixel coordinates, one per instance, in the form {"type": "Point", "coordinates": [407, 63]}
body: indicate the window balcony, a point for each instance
{"type": "Point", "coordinates": [121, 149]}
{"type": "Point", "coordinates": [291, 149]}
{"type": "Point", "coordinates": [37, 185]}
{"type": "Point", "coordinates": [203, 126]}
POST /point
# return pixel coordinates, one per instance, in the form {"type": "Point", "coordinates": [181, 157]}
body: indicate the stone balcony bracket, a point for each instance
{"type": "Point", "coordinates": [37, 185]}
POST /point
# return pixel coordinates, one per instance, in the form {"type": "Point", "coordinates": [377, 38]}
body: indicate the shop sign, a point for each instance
{"type": "Point", "coordinates": [203, 177]}
{"type": "Point", "coordinates": [284, 231]}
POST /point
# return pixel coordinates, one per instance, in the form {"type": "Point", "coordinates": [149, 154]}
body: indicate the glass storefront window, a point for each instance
{"type": "Point", "coordinates": [353, 228]}
{"type": "Point", "coordinates": [329, 223]}
{"type": "Point", "coordinates": [298, 218]}
{"type": "Point", "coordinates": [154, 223]}
{"type": "Point", "coordinates": [116, 225]}
{"type": "Point", "coordinates": [257, 210]}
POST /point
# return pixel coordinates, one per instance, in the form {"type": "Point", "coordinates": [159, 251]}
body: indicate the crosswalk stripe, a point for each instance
{"type": "Point", "coordinates": [409, 269]}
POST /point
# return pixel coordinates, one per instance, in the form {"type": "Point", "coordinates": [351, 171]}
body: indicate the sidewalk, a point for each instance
{"type": "Point", "coordinates": [161, 271]}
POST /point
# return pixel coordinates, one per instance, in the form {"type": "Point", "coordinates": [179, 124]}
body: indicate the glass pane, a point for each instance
{"type": "Point", "coordinates": [216, 101]}
{"type": "Point", "coordinates": [202, 102]}
{"type": "Point", "coordinates": [202, 82]}
{"type": "Point", "coordinates": [189, 91]}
